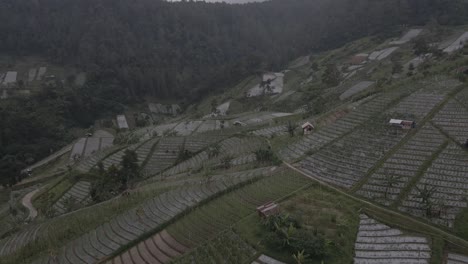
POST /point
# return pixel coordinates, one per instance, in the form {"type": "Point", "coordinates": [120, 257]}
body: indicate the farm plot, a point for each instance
{"type": "Point", "coordinates": [187, 127]}
{"type": "Point", "coordinates": [223, 108]}
{"type": "Point", "coordinates": [19, 240]}
{"type": "Point", "coordinates": [116, 157]}
{"type": "Point", "coordinates": [197, 143]}
{"type": "Point", "coordinates": [206, 222]}
{"type": "Point", "coordinates": [271, 131]}
{"type": "Point", "coordinates": [165, 154]}
{"type": "Point", "coordinates": [77, 196]}
{"type": "Point", "coordinates": [260, 118]}
{"type": "Point", "coordinates": [10, 78]}
{"type": "Point", "coordinates": [413, 33]}
{"type": "Point", "coordinates": [131, 225]}
{"type": "Point", "coordinates": [346, 161]}
{"type": "Point", "coordinates": [333, 131]}
{"type": "Point", "coordinates": [453, 119]}
{"type": "Point", "coordinates": [458, 44]}
{"type": "Point", "coordinates": [232, 147]}
{"type": "Point", "coordinates": [41, 72]}
{"type": "Point", "coordinates": [32, 74]}
{"type": "Point", "coordinates": [377, 243]}
{"type": "Point", "coordinates": [453, 258]}
{"type": "Point", "coordinates": [382, 54]}
{"type": "Point", "coordinates": [211, 125]}
{"type": "Point", "coordinates": [386, 184]}
{"type": "Point", "coordinates": [441, 192]}
{"type": "Point", "coordinates": [418, 104]}
{"type": "Point", "coordinates": [356, 89]}
{"type": "Point", "coordinates": [85, 147]}
{"type": "Point", "coordinates": [228, 248]}
{"type": "Point", "coordinates": [263, 259]}
{"type": "Point", "coordinates": [272, 83]}
{"type": "Point", "coordinates": [149, 132]}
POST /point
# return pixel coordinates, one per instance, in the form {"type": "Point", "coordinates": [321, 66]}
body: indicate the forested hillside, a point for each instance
{"type": "Point", "coordinates": [183, 49]}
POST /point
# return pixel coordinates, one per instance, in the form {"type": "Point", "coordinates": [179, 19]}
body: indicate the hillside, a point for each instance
{"type": "Point", "coordinates": [380, 176]}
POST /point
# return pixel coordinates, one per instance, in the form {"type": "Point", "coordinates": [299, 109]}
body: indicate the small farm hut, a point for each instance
{"type": "Point", "coordinates": [268, 209]}
{"type": "Point", "coordinates": [404, 124]}
{"type": "Point", "coordinates": [307, 127]}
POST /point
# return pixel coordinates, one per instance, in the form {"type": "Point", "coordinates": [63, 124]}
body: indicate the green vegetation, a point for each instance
{"type": "Point", "coordinates": [330, 222]}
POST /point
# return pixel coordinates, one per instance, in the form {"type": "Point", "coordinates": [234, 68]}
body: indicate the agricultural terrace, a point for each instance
{"type": "Point", "coordinates": [338, 129]}
{"type": "Point", "coordinates": [211, 125]}
{"type": "Point", "coordinates": [356, 89]}
{"type": "Point", "coordinates": [130, 226]}
{"type": "Point", "coordinates": [271, 131]}
{"type": "Point", "coordinates": [85, 147]}
{"type": "Point", "coordinates": [233, 148]}
{"type": "Point", "coordinates": [187, 127]}
{"type": "Point", "coordinates": [77, 196]}
{"type": "Point", "coordinates": [272, 83]}
{"type": "Point", "coordinates": [453, 120]}
{"type": "Point", "coordinates": [260, 118]}
{"type": "Point", "coordinates": [377, 243]}
{"type": "Point", "coordinates": [226, 248]}
{"type": "Point", "coordinates": [458, 44]}
{"type": "Point", "coordinates": [382, 54]}
{"type": "Point", "coordinates": [205, 223]}
{"type": "Point", "coordinates": [410, 35]}
{"type": "Point", "coordinates": [453, 258]}
{"type": "Point", "coordinates": [440, 194]}
{"type": "Point", "coordinates": [345, 161]}
{"type": "Point", "coordinates": [386, 184]}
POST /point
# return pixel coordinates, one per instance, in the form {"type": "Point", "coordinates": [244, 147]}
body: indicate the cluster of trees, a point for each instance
{"type": "Point", "coordinates": [186, 49]}
{"type": "Point", "coordinates": [115, 179]}
{"type": "Point", "coordinates": [35, 127]}
{"type": "Point", "coordinates": [285, 233]}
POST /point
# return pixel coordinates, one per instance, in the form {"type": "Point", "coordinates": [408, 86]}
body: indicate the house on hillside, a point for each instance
{"type": "Point", "coordinates": [122, 122]}
{"type": "Point", "coordinates": [268, 209]}
{"type": "Point", "coordinates": [403, 124]}
{"type": "Point", "coordinates": [239, 124]}
{"type": "Point", "coordinates": [307, 127]}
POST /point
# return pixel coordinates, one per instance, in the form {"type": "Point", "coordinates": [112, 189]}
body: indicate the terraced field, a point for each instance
{"type": "Point", "coordinates": [453, 120]}
{"type": "Point", "coordinates": [335, 130]}
{"type": "Point", "coordinates": [233, 147]}
{"type": "Point", "coordinates": [116, 157]}
{"type": "Point", "coordinates": [346, 161]}
{"type": "Point", "coordinates": [227, 248]}
{"type": "Point", "coordinates": [418, 104]}
{"type": "Point", "coordinates": [453, 258]}
{"type": "Point", "coordinates": [164, 154]}
{"type": "Point", "coordinates": [441, 193]}
{"type": "Point", "coordinates": [377, 243]}
{"type": "Point", "coordinates": [205, 223]}
{"type": "Point", "coordinates": [187, 128]}
{"type": "Point", "coordinates": [130, 226]}
{"type": "Point", "coordinates": [271, 131]}
{"type": "Point", "coordinates": [263, 259]}
{"type": "Point", "coordinates": [160, 248]}
{"type": "Point", "coordinates": [77, 196]}
{"type": "Point", "coordinates": [385, 185]}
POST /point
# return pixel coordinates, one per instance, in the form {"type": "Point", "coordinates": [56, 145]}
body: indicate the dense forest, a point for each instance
{"type": "Point", "coordinates": [185, 49]}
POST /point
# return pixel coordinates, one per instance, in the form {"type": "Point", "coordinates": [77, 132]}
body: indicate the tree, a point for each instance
{"type": "Point", "coordinates": [214, 151]}
{"type": "Point", "coordinates": [331, 76]}
{"type": "Point", "coordinates": [129, 166]}
{"type": "Point", "coordinates": [390, 181]}
{"type": "Point", "coordinates": [421, 46]}
{"type": "Point", "coordinates": [426, 194]}
{"type": "Point", "coordinates": [291, 128]}
{"type": "Point", "coordinates": [397, 67]}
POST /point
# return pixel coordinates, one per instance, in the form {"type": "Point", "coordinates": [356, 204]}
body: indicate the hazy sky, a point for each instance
{"type": "Point", "coordinates": [228, 1]}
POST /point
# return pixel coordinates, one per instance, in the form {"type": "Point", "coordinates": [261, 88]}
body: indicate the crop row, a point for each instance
{"type": "Point", "coordinates": [346, 161]}
{"type": "Point", "coordinates": [78, 195]}
{"type": "Point", "coordinates": [387, 182]}
{"type": "Point", "coordinates": [333, 131]}
{"type": "Point", "coordinates": [442, 191]}
{"type": "Point", "coordinates": [131, 225]}
{"type": "Point", "coordinates": [453, 119]}
{"type": "Point", "coordinates": [377, 243]}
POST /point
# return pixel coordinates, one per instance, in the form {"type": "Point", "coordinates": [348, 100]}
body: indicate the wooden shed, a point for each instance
{"type": "Point", "coordinates": [268, 209]}
{"type": "Point", "coordinates": [307, 127]}
{"type": "Point", "coordinates": [404, 124]}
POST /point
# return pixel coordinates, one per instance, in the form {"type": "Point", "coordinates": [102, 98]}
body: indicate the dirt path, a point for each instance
{"type": "Point", "coordinates": [26, 201]}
